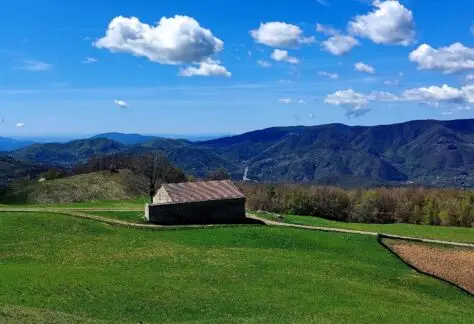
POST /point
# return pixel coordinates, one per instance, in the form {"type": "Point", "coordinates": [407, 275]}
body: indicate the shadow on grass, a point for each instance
{"type": "Point", "coordinates": [244, 221]}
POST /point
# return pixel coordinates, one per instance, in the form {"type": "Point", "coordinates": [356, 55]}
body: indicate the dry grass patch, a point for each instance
{"type": "Point", "coordinates": [453, 264]}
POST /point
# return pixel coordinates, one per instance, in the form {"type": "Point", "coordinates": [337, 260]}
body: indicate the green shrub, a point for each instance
{"type": "Point", "coordinates": [431, 212]}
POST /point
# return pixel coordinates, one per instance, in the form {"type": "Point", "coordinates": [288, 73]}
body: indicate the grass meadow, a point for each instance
{"type": "Point", "coordinates": [137, 203]}
{"type": "Point", "coordinates": [56, 268]}
{"type": "Point", "coordinates": [447, 233]}
{"type": "Point", "coordinates": [128, 216]}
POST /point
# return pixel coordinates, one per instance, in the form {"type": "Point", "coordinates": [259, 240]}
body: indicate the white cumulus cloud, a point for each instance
{"type": "Point", "coordinates": [328, 74]}
{"type": "Point", "coordinates": [207, 68]}
{"type": "Point", "coordinates": [264, 64]}
{"type": "Point", "coordinates": [281, 55]}
{"type": "Point", "coordinates": [347, 97]}
{"type": "Point", "coordinates": [20, 125]}
{"type": "Point", "coordinates": [470, 77]}
{"type": "Point", "coordinates": [175, 40]}
{"type": "Point", "coordinates": [326, 30]}
{"type": "Point", "coordinates": [451, 59]}
{"type": "Point", "coordinates": [339, 44]}
{"type": "Point", "coordinates": [362, 67]}
{"type": "Point", "coordinates": [356, 103]}
{"type": "Point", "coordinates": [280, 34]}
{"type": "Point", "coordinates": [388, 23]}
{"type": "Point", "coordinates": [435, 95]}
{"type": "Point", "coordinates": [121, 103]}
{"type": "Point", "coordinates": [285, 100]}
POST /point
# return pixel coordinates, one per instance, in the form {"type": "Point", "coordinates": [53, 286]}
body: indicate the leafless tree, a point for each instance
{"type": "Point", "coordinates": [153, 166]}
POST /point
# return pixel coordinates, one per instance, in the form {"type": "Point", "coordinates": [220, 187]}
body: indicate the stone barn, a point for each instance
{"type": "Point", "coordinates": [207, 202]}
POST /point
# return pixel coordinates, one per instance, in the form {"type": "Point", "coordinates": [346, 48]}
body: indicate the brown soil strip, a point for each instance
{"type": "Point", "coordinates": [452, 264]}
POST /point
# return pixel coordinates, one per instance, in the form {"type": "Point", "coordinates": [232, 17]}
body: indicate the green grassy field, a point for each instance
{"type": "Point", "coordinates": [129, 216]}
{"type": "Point", "coordinates": [55, 268]}
{"type": "Point", "coordinates": [138, 203]}
{"type": "Point", "coordinates": [448, 233]}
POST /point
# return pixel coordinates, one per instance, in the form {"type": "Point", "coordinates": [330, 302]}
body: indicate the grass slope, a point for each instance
{"type": "Point", "coordinates": [56, 268]}
{"type": "Point", "coordinates": [447, 233]}
{"type": "Point", "coordinates": [137, 203]}
{"type": "Point", "coordinates": [129, 216]}
{"type": "Point", "coordinates": [97, 186]}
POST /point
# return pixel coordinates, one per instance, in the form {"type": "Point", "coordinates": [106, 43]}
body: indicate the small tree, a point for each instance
{"type": "Point", "coordinates": [417, 215]}
{"type": "Point", "coordinates": [174, 175]}
{"type": "Point", "coordinates": [366, 210]}
{"type": "Point", "coordinates": [467, 214]}
{"type": "Point", "coordinates": [218, 174]}
{"type": "Point", "coordinates": [431, 211]}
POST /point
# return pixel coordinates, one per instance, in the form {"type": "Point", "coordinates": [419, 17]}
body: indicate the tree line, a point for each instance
{"type": "Point", "coordinates": [381, 205]}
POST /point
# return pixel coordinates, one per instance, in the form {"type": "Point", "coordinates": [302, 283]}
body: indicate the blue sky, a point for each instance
{"type": "Point", "coordinates": [206, 67]}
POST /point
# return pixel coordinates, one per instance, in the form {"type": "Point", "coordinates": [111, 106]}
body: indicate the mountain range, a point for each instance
{"type": "Point", "coordinates": [429, 152]}
{"type": "Point", "coordinates": [10, 144]}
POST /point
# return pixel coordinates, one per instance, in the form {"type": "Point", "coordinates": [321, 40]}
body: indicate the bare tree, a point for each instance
{"type": "Point", "coordinates": [153, 166]}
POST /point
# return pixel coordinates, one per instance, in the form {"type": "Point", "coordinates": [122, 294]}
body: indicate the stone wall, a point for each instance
{"type": "Point", "coordinates": [202, 212]}
{"type": "Point", "coordinates": [161, 196]}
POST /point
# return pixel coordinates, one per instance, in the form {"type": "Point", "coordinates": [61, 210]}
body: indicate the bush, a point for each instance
{"type": "Point", "coordinates": [431, 212]}
{"type": "Point", "coordinates": [52, 174]}
{"type": "Point", "coordinates": [467, 214]}
{"type": "Point", "coordinates": [218, 174]}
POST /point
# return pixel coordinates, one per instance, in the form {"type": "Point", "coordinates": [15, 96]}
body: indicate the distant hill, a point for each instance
{"type": "Point", "coordinates": [127, 139]}
{"type": "Point", "coordinates": [103, 185]}
{"type": "Point", "coordinates": [68, 153]}
{"type": "Point", "coordinates": [130, 139]}
{"type": "Point", "coordinates": [429, 152]}
{"type": "Point", "coordinates": [10, 144]}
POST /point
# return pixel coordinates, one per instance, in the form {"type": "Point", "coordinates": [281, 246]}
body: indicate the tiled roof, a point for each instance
{"type": "Point", "coordinates": [202, 191]}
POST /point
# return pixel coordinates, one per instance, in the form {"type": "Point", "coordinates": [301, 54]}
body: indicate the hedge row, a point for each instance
{"type": "Point", "coordinates": [382, 205]}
